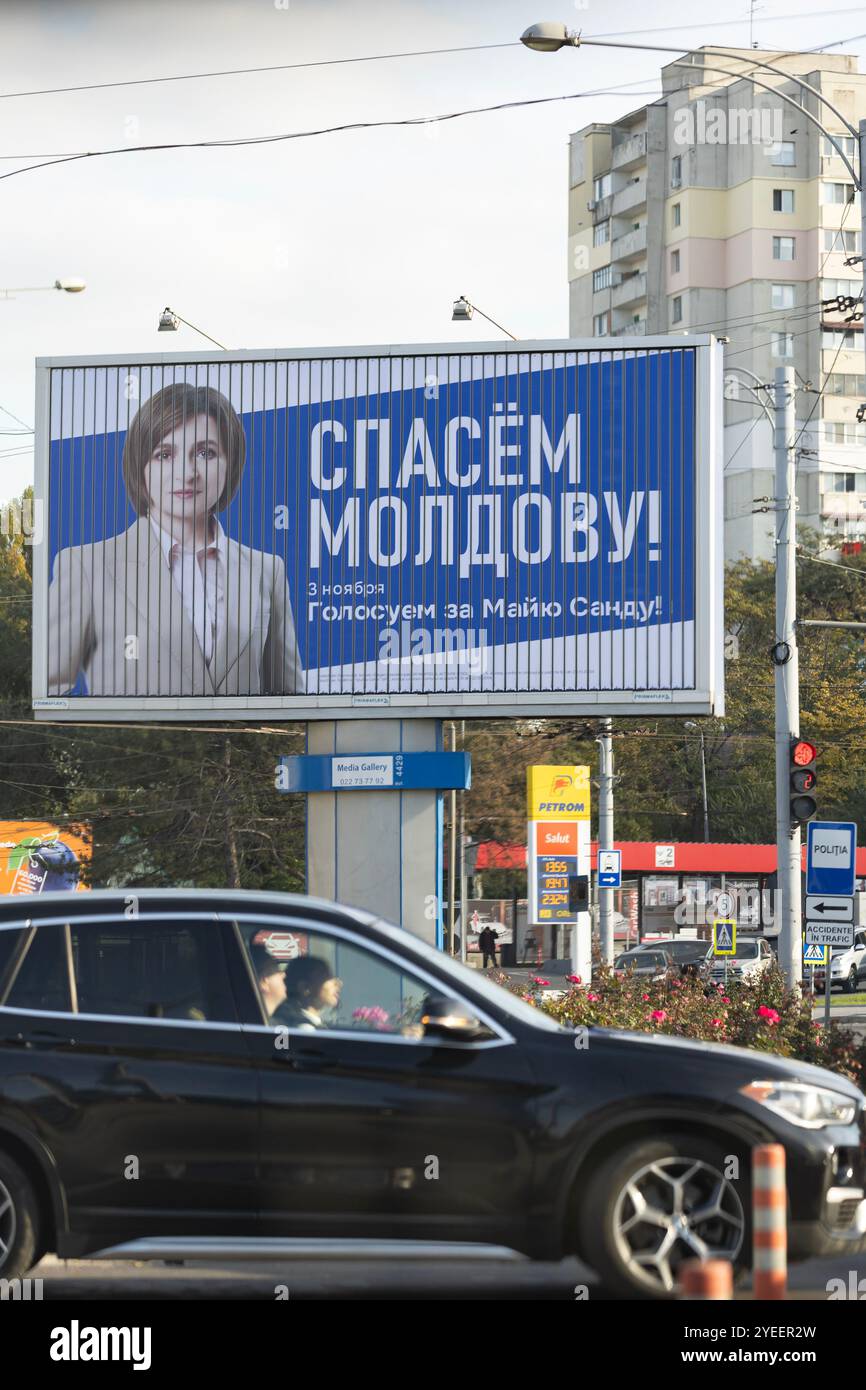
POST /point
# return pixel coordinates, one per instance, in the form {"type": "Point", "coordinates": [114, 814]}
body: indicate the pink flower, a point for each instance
{"type": "Point", "coordinates": [658, 1015]}
{"type": "Point", "coordinates": [725, 999]}
{"type": "Point", "coordinates": [645, 997]}
{"type": "Point", "coordinates": [717, 1023]}
{"type": "Point", "coordinates": [771, 1016]}
{"type": "Point", "coordinates": [592, 997]}
{"type": "Point", "coordinates": [371, 1014]}
{"type": "Point", "coordinates": [573, 979]}
{"type": "Point", "coordinates": [538, 980]}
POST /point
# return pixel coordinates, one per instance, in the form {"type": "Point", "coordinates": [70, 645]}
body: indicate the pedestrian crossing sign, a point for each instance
{"type": "Point", "coordinates": [813, 953]}
{"type": "Point", "coordinates": [724, 936]}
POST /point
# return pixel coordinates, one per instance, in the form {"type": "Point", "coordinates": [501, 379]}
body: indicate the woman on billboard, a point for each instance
{"type": "Point", "coordinates": [174, 606]}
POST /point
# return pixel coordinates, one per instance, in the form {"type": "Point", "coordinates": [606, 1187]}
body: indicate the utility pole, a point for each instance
{"type": "Point", "coordinates": [787, 679]}
{"type": "Point", "coordinates": [605, 837]}
{"type": "Point", "coordinates": [452, 856]}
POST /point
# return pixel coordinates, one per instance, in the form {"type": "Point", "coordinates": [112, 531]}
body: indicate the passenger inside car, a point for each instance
{"type": "Point", "coordinates": [311, 988]}
{"type": "Point", "coordinates": [270, 978]}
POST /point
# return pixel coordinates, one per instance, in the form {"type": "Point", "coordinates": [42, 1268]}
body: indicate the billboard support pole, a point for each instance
{"type": "Point", "coordinates": [378, 850]}
{"type": "Point", "coordinates": [785, 657]}
{"type": "Point", "coordinates": [605, 837]}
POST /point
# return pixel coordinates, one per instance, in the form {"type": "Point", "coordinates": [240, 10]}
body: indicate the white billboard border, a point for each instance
{"type": "Point", "coordinates": [707, 698]}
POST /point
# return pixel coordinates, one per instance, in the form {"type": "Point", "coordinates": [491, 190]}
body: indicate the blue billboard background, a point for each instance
{"type": "Point", "coordinates": [443, 526]}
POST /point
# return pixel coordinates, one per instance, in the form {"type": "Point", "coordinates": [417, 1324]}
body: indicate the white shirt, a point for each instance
{"type": "Point", "coordinates": [199, 577]}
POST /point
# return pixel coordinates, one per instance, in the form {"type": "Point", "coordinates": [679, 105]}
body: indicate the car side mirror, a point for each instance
{"type": "Point", "coordinates": [442, 1017]}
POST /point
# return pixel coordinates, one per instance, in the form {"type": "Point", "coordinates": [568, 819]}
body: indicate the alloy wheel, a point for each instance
{"type": "Point", "coordinates": [673, 1210]}
{"type": "Point", "coordinates": [8, 1223]}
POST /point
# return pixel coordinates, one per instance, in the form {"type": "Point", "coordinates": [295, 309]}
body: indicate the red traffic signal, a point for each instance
{"type": "Point", "coordinates": [802, 753]}
{"type": "Point", "coordinates": [803, 778]}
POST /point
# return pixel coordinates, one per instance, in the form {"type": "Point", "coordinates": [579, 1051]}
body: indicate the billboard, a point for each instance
{"type": "Point", "coordinates": [38, 857]}
{"type": "Point", "coordinates": [413, 530]}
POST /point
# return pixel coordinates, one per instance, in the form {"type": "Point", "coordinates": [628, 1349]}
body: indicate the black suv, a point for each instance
{"type": "Point", "coordinates": [189, 1073]}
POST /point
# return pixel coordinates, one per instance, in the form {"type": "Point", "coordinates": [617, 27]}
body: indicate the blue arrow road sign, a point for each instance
{"type": "Point", "coordinates": [831, 848]}
{"type": "Point", "coordinates": [610, 868]}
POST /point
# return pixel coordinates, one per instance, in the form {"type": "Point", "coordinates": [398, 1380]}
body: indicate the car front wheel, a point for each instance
{"type": "Point", "coordinates": [654, 1205]}
{"type": "Point", "coordinates": [19, 1221]}
{"type": "Point", "coordinates": [851, 982]}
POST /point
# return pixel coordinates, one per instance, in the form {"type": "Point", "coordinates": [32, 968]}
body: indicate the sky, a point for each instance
{"type": "Point", "coordinates": [359, 237]}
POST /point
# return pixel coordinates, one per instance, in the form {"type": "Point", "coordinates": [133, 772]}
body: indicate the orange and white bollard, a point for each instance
{"type": "Point", "coordinates": [707, 1279]}
{"type": "Point", "coordinates": [769, 1222]}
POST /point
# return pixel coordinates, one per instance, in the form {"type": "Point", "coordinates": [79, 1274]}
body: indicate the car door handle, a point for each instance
{"type": "Point", "coordinates": [44, 1037]}
{"type": "Point", "coordinates": [310, 1058]}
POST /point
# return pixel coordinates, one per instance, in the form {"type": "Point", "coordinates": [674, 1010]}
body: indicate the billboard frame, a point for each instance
{"type": "Point", "coordinates": [707, 697]}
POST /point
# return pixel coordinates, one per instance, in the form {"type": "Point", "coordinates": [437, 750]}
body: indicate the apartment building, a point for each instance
{"type": "Point", "coordinates": [720, 208]}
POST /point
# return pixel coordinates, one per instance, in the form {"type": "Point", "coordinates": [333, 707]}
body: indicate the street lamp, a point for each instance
{"type": "Point", "coordinates": [690, 724]}
{"type": "Point", "coordinates": [462, 312]}
{"type": "Point", "coordinates": [72, 284]}
{"type": "Point", "coordinates": [169, 322]}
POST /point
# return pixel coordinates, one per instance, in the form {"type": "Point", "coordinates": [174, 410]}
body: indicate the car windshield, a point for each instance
{"type": "Point", "coordinates": [640, 960]}
{"type": "Point", "coordinates": [466, 979]}
{"type": "Point", "coordinates": [746, 950]}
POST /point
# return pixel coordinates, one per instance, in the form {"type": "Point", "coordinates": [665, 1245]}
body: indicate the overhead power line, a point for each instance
{"type": "Point", "coordinates": [309, 134]}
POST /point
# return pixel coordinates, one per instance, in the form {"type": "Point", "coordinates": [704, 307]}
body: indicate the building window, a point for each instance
{"type": "Point", "coordinates": [847, 243]}
{"type": "Point", "coordinates": [601, 187]}
{"type": "Point", "coordinates": [844, 338]}
{"type": "Point", "coordinates": [831, 289]}
{"type": "Point", "coordinates": [846, 384]}
{"type": "Point", "coordinates": [843, 142]}
{"type": "Point", "coordinates": [676, 218]}
{"type": "Point", "coordinates": [783, 200]}
{"type": "Point", "coordinates": [837, 193]}
{"type": "Point", "coordinates": [844, 432]}
{"type": "Point", "coordinates": [601, 233]}
{"type": "Point", "coordinates": [783, 152]}
{"type": "Point", "coordinates": [601, 279]}
{"type": "Point", "coordinates": [675, 263]}
{"type": "Point", "coordinates": [676, 171]}
{"type": "Point", "coordinates": [844, 482]}
{"type": "Point", "coordinates": [677, 309]}
{"type": "Point", "coordinates": [782, 297]}
{"type": "Point", "coordinates": [601, 326]}
{"type": "Point", "coordinates": [783, 345]}
{"type": "Point", "coordinates": [783, 248]}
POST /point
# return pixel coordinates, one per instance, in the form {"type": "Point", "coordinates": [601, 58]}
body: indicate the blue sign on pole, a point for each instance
{"type": "Point", "coordinates": [610, 868]}
{"type": "Point", "coordinates": [831, 854]}
{"type": "Point", "coordinates": [327, 772]}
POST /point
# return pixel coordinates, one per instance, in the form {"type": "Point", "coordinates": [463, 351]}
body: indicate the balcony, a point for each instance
{"type": "Point", "coordinates": [629, 152]}
{"type": "Point", "coordinates": [632, 289]}
{"type": "Point", "coordinates": [631, 330]}
{"type": "Point", "coordinates": [632, 196]}
{"type": "Point", "coordinates": [630, 246]}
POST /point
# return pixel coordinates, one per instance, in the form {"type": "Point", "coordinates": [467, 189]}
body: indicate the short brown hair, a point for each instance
{"type": "Point", "coordinates": [166, 410]}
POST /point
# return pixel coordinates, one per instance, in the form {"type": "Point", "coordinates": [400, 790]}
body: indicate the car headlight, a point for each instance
{"type": "Point", "coordinates": [812, 1107]}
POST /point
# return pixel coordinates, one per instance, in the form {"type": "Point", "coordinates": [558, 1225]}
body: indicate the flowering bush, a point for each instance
{"type": "Point", "coordinates": [764, 1015]}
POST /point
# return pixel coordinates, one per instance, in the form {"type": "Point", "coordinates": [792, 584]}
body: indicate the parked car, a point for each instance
{"type": "Point", "coordinates": [847, 965]}
{"type": "Point", "coordinates": [688, 953]}
{"type": "Point", "coordinates": [752, 957]}
{"type": "Point", "coordinates": [280, 1069]}
{"type": "Point", "coordinates": [652, 965]}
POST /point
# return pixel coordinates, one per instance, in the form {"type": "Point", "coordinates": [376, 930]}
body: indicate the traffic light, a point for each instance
{"type": "Point", "coordinates": [803, 780]}
{"type": "Point", "coordinates": [578, 893]}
